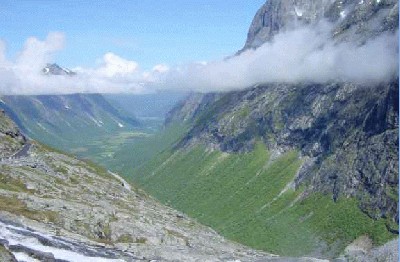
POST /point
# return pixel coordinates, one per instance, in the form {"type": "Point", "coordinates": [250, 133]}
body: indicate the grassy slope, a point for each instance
{"type": "Point", "coordinates": [239, 196]}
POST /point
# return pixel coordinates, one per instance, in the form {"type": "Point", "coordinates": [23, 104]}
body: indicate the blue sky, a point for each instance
{"type": "Point", "coordinates": [149, 32]}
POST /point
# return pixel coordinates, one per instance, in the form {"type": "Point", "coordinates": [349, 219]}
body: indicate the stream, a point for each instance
{"type": "Point", "coordinates": [28, 245]}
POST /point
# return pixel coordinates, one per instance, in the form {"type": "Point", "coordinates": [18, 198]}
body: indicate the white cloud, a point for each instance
{"type": "Point", "coordinates": [160, 68]}
{"type": "Point", "coordinates": [114, 65]}
{"type": "Point", "coordinates": [306, 54]}
{"type": "Point", "coordinates": [36, 53]}
{"type": "Point", "coordinates": [24, 75]}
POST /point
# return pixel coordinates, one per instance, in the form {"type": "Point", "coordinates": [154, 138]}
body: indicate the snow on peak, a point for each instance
{"type": "Point", "coordinates": [298, 11]}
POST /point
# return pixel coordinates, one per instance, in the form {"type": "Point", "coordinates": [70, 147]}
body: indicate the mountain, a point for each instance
{"type": "Point", "coordinates": [54, 69]}
{"type": "Point", "coordinates": [54, 207]}
{"type": "Point", "coordinates": [66, 120]}
{"type": "Point", "coordinates": [292, 168]}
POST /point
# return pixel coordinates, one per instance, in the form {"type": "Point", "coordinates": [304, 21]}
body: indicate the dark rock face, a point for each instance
{"type": "Point", "coordinates": [6, 255]}
{"type": "Point", "coordinates": [11, 138]}
{"type": "Point", "coordinates": [277, 15]}
{"type": "Point", "coordinates": [346, 132]}
{"type": "Point", "coordinates": [191, 107]}
{"type": "Point", "coordinates": [353, 20]}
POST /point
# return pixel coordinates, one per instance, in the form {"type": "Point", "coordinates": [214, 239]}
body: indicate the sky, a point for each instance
{"type": "Point", "coordinates": [149, 32]}
{"type": "Point", "coordinates": [175, 45]}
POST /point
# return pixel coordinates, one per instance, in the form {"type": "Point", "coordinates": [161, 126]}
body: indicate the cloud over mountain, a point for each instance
{"type": "Point", "coordinates": [304, 54]}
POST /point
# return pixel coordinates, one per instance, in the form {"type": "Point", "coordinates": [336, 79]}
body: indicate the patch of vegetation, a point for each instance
{"type": "Point", "coordinates": [126, 238]}
{"type": "Point", "coordinates": [393, 192]}
{"type": "Point", "coordinates": [74, 180]}
{"type": "Point", "coordinates": [243, 112]}
{"type": "Point", "coordinates": [18, 207]}
{"type": "Point", "coordinates": [141, 240]}
{"type": "Point", "coordinates": [61, 169]}
{"type": "Point", "coordinates": [12, 184]}
{"type": "Point", "coordinates": [5, 254]}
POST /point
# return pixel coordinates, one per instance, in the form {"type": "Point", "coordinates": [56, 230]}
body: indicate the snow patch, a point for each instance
{"type": "Point", "coordinates": [24, 257]}
{"type": "Point", "coordinates": [120, 125]}
{"type": "Point", "coordinates": [66, 70]}
{"type": "Point", "coordinates": [298, 11]}
{"type": "Point", "coordinates": [41, 126]}
{"type": "Point", "coordinates": [97, 122]}
{"type": "Point", "coordinates": [343, 14]}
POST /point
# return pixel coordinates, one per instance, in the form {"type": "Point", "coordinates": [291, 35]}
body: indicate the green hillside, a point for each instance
{"type": "Point", "coordinates": [248, 198]}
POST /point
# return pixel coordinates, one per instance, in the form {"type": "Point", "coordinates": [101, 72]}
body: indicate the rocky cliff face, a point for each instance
{"type": "Point", "coordinates": [353, 20]}
{"type": "Point", "coordinates": [346, 132]}
{"type": "Point", "coordinates": [11, 139]}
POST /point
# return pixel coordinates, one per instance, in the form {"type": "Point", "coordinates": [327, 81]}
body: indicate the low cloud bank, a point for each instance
{"type": "Point", "coordinates": [306, 54]}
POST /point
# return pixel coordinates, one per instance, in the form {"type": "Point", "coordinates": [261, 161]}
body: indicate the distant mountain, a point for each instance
{"type": "Point", "coordinates": [292, 168]}
{"type": "Point", "coordinates": [54, 69]}
{"type": "Point", "coordinates": [62, 120]}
